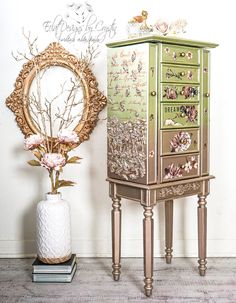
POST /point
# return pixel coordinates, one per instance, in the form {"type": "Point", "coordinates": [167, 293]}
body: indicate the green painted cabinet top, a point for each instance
{"type": "Point", "coordinates": [161, 39]}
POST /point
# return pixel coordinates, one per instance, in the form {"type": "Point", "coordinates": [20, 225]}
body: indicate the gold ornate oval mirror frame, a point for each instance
{"type": "Point", "coordinates": [56, 55]}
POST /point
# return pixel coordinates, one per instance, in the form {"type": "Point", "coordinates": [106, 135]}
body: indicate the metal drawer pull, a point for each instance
{"type": "Point", "coordinates": [182, 54]}
{"type": "Point", "coordinates": [153, 93]}
{"type": "Point", "coordinates": [207, 95]}
{"type": "Point", "coordinates": [182, 74]}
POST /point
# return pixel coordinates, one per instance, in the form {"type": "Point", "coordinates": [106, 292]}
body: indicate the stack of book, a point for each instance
{"type": "Point", "coordinates": [62, 272]}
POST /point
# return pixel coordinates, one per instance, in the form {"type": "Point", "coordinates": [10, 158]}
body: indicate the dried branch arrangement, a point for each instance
{"type": "Point", "coordinates": [57, 116]}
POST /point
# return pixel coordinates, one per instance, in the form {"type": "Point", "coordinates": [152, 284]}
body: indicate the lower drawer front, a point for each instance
{"type": "Point", "coordinates": [179, 141]}
{"type": "Point", "coordinates": [179, 167]}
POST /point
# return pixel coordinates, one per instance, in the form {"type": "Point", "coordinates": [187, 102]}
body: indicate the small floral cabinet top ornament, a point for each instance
{"type": "Point", "coordinates": [137, 26]}
{"type": "Point", "coordinates": [55, 117]}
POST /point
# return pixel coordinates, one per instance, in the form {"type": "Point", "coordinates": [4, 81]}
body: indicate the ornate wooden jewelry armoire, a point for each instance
{"type": "Point", "coordinates": [158, 135]}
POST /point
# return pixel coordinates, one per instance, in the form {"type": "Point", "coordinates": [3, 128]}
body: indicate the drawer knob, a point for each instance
{"type": "Point", "coordinates": [182, 74]}
{"type": "Point", "coordinates": [182, 54]}
{"type": "Point", "coordinates": [153, 93]}
{"type": "Point", "coordinates": [207, 95]}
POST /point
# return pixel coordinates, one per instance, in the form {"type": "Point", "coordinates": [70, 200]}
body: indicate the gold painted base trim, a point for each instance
{"type": "Point", "coordinates": [54, 260]}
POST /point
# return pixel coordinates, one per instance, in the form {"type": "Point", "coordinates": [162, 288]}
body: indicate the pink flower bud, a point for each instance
{"type": "Point", "coordinates": [53, 161]}
{"type": "Point", "coordinates": [67, 136]}
{"type": "Point", "coordinates": [33, 141]}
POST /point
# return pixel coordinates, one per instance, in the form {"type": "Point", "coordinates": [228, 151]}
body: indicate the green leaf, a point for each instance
{"type": "Point", "coordinates": [73, 160]}
{"type": "Point", "coordinates": [64, 183]}
{"type": "Point", "coordinates": [34, 163]}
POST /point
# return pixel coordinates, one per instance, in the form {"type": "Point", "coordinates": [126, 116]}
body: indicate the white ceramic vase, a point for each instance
{"type": "Point", "coordinates": [53, 230]}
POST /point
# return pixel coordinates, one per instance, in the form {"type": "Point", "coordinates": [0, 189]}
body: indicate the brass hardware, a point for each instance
{"type": "Point", "coordinates": [207, 95]}
{"type": "Point", "coordinates": [182, 54]}
{"type": "Point", "coordinates": [205, 110]}
{"type": "Point", "coordinates": [151, 117]}
{"type": "Point", "coordinates": [182, 74]}
{"type": "Point", "coordinates": [182, 92]}
{"type": "Point", "coordinates": [153, 93]}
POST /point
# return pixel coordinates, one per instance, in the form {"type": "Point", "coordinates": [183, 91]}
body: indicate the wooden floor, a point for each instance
{"type": "Point", "coordinates": [178, 282]}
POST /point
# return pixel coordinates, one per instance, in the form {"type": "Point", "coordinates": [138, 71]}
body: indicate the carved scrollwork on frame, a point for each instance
{"type": "Point", "coordinates": [56, 55]}
{"type": "Point", "coordinates": [179, 190]}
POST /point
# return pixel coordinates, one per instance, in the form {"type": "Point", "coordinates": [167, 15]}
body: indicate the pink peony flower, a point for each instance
{"type": "Point", "coordinates": [67, 136]}
{"type": "Point", "coordinates": [33, 141]}
{"type": "Point", "coordinates": [173, 171]}
{"type": "Point", "coordinates": [53, 161]}
{"type": "Point", "coordinates": [162, 27]}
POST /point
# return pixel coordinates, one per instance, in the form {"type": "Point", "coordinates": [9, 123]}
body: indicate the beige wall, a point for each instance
{"type": "Point", "coordinates": [22, 186]}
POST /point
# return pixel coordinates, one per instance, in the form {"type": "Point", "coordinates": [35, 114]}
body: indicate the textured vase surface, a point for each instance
{"type": "Point", "coordinates": [53, 230]}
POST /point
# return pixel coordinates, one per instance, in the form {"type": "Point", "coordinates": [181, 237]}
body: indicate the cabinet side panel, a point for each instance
{"type": "Point", "coordinates": [152, 116]}
{"type": "Point", "coordinates": [128, 97]}
{"type": "Point", "coordinates": [205, 113]}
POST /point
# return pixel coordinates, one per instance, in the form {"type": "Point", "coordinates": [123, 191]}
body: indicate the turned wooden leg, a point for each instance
{"type": "Point", "coordinates": [148, 249]}
{"type": "Point", "coordinates": [202, 234]}
{"type": "Point", "coordinates": [116, 237]}
{"type": "Point", "coordinates": [168, 230]}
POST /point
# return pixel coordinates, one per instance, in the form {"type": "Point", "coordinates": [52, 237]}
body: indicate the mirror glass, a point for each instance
{"type": "Point", "coordinates": [55, 100]}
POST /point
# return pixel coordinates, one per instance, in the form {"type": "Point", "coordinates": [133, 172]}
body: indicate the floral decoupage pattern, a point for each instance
{"type": "Point", "coordinates": [127, 111]}
{"type": "Point", "coordinates": [180, 93]}
{"type": "Point", "coordinates": [180, 74]}
{"type": "Point", "coordinates": [180, 115]}
{"type": "Point", "coordinates": [127, 82]}
{"type": "Point", "coordinates": [181, 167]}
{"type": "Point", "coordinates": [180, 142]}
{"type": "Point", "coordinates": [188, 55]}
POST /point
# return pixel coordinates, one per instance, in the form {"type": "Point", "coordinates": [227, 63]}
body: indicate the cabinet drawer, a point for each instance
{"type": "Point", "coordinates": [179, 73]}
{"type": "Point", "coordinates": [180, 54]}
{"type": "Point", "coordinates": [179, 92]}
{"type": "Point", "coordinates": [179, 115]}
{"type": "Point", "coordinates": [179, 141]}
{"type": "Point", "coordinates": [179, 167]}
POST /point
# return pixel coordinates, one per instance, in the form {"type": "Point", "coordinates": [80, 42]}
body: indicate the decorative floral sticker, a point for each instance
{"type": "Point", "coordinates": [170, 93]}
{"type": "Point", "coordinates": [189, 55]}
{"type": "Point", "coordinates": [180, 142]}
{"type": "Point", "coordinates": [190, 112]}
{"type": "Point", "coordinates": [167, 50]}
{"type": "Point", "coordinates": [190, 75]}
{"type": "Point", "coordinates": [188, 92]}
{"type": "Point", "coordinates": [176, 171]}
{"type": "Point", "coordinates": [173, 171]}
